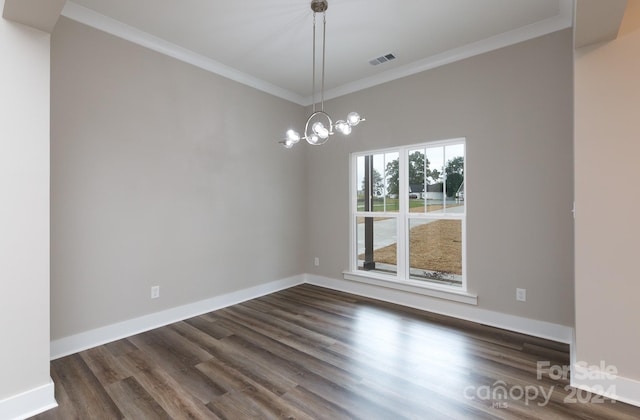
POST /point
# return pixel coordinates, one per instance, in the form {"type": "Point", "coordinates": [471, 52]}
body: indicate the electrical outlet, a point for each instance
{"type": "Point", "coordinates": [521, 295]}
{"type": "Point", "coordinates": [316, 262]}
{"type": "Point", "coordinates": [155, 292]}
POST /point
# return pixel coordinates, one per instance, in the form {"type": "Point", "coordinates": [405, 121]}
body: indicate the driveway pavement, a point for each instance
{"type": "Point", "coordinates": [385, 231]}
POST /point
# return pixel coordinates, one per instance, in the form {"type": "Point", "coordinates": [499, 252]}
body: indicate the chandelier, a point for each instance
{"type": "Point", "coordinates": [319, 125]}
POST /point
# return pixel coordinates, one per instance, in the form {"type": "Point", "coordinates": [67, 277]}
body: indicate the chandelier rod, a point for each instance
{"type": "Point", "coordinates": [324, 32]}
{"type": "Point", "coordinates": [324, 54]}
{"type": "Point", "coordinates": [313, 78]}
{"type": "Point", "coordinates": [319, 125]}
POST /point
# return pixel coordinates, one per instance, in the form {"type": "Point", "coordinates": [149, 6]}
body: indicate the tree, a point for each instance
{"type": "Point", "coordinates": [393, 169]}
{"type": "Point", "coordinates": [418, 172]}
{"type": "Point", "coordinates": [417, 168]}
{"type": "Point", "coordinates": [455, 166]}
{"type": "Point", "coordinates": [455, 175]}
{"type": "Point", "coordinates": [453, 183]}
{"type": "Point", "coordinates": [378, 183]}
{"type": "Point", "coordinates": [435, 175]}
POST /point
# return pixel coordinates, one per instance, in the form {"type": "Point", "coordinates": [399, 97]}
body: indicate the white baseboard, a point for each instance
{"type": "Point", "coordinates": [28, 403]}
{"type": "Point", "coordinates": [596, 381]}
{"type": "Point", "coordinates": [620, 388]}
{"type": "Point", "coordinates": [88, 339]}
{"type": "Point", "coordinates": [542, 329]}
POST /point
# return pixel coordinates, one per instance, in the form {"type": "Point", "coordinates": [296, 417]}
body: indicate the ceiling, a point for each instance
{"type": "Point", "coordinates": [267, 44]}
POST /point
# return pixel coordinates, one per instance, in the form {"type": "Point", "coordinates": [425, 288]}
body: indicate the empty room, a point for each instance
{"type": "Point", "coordinates": [319, 209]}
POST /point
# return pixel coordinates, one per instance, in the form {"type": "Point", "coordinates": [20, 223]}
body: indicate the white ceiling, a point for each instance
{"type": "Point", "coordinates": [267, 44]}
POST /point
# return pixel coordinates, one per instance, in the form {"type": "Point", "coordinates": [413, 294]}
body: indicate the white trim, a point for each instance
{"type": "Point", "coordinates": [353, 207]}
{"type": "Point", "coordinates": [111, 26]}
{"type": "Point", "coordinates": [88, 339]}
{"type": "Point", "coordinates": [92, 338]}
{"type": "Point", "coordinates": [465, 182]}
{"type": "Point", "coordinates": [403, 217]}
{"type": "Point", "coordinates": [617, 388]}
{"type": "Point", "coordinates": [411, 287]}
{"type": "Point", "coordinates": [429, 143]}
{"type": "Point", "coordinates": [29, 403]}
{"type": "Point", "coordinates": [402, 228]}
{"type": "Point", "coordinates": [563, 20]}
{"type": "Point", "coordinates": [40, 399]}
{"type": "Point", "coordinates": [542, 329]}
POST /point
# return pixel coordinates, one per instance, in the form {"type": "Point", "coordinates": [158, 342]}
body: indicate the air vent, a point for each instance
{"type": "Point", "coordinates": [382, 59]}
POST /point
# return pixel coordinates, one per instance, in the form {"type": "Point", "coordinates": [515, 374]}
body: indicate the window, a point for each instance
{"type": "Point", "coordinates": [408, 214]}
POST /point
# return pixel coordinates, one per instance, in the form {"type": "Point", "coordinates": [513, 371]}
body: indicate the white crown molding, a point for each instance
{"type": "Point", "coordinates": [563, 20]}
{"type": "Point", "coordinates": [111, 26]}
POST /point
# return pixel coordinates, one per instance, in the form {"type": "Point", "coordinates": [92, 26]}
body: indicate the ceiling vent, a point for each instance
{"type": "Point", "coordinates": [382, 59]}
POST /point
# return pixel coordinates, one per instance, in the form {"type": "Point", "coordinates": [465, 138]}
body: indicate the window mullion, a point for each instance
{"type": "Point", "coordinates": [444, 184]}
{"type": "Point", "coordinates": [353, 208]}
{"type": "Point", "coordinates": [397, 162]}
{"type": "Point", "coordinates": [403, 208]}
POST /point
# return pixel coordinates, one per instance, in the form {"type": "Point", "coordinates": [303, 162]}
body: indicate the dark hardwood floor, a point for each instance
{"type": "Point", "coordinates": [313, 353]}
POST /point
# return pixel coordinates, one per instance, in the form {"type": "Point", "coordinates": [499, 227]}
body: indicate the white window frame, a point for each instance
{"type": "Point", "coordinates": [401, 280]}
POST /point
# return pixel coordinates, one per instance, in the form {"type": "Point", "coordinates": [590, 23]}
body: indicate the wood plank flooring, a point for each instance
{"type": "Point", "coordinates": [313, 353]}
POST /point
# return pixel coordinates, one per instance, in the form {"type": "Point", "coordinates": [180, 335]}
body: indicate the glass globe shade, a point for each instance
{"type": "Point", "coordinates": [353, 119]}
{"type": "Point", "coordinates": [320, 130]}
{"type": "Point", "coordinates": [292, 136]}
{"type": "Point", "coordinates": [343, 127]}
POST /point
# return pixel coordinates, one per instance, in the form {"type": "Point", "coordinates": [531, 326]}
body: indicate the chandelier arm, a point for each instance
{"type": "Point", "coordinates": [309, 134]}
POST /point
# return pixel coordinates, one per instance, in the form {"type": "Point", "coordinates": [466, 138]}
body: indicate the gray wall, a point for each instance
{"type": "Point", "coordinates": [514, 106]}
{"type": "Point", "coordinates": [163, 174]}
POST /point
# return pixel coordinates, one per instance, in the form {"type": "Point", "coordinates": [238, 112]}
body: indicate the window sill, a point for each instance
{"type": "Point", "coordinates": [411, 287]}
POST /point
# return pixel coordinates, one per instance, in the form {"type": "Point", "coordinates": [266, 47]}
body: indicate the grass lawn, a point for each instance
{"type": "Point", "coordinates": [434, 246]}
